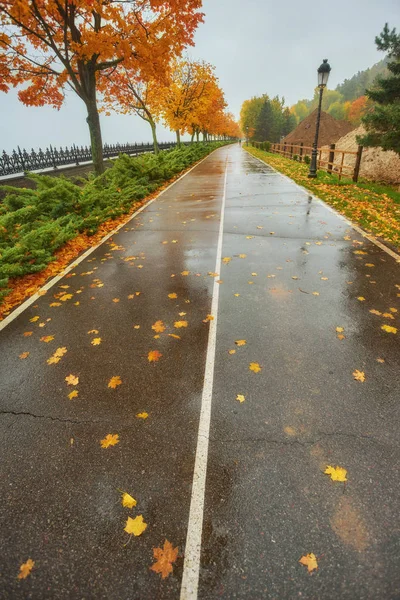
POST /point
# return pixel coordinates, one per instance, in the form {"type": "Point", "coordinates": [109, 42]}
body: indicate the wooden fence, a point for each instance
{"type": "Point", "coordinates": [332, 160]}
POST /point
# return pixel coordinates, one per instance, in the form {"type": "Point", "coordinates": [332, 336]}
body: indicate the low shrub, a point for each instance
{"type": "Point", "coordinates": [35, 223]}
{"type": "Point", "coordinates": [307, 159]}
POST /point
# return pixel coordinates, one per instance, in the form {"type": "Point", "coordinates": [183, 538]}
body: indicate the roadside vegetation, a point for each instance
{"type": "Point", "coordinates": [36, 224]}
{"type": "Point", "coordinates": [375, 207]}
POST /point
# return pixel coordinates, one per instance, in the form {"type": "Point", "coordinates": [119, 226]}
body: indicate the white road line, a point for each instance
{"type": "Point", "coordinates": [364, 234]}
{"type": "Point", "coordinates": [15, 313]}
{"type": "Point", "coordinates": [191, 567]}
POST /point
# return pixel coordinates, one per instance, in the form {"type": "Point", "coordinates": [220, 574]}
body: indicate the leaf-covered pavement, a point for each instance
{"type": "Point", "coordinates": [101, 385]}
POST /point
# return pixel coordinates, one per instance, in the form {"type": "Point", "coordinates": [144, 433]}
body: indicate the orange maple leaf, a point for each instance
{"type": "Point", "coordinates": [111, 439]}
{"type": "Point", "coordinates": [164, 558]}
{"type": "Point", "coordinates": [72, 380]}
{"type": "Point", "coordinates": [309, 561]}
{"type": "Point", "coordinates": [158, 327]}
{"type": "Point", "coordinates": [114, 382]}
{"type": "Point", "coordinates": [179, 324]}
{"type": "Point", "coordinates": [47, 338]}
{"type": "Point", "coordinates": [26, 568]}
{"type": "Point", "coordinates": [154, 356]}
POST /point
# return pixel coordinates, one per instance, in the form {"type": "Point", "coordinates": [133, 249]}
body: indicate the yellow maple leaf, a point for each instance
{"type": "Point", "coordinates": [231, 351]}
{"type": "Point", "coordinates": [135, 526]}
{"type": "Point", "coordinates": [55, 304]}
{"type": "Point", "coordinates": [375, 312]}
{"type": "Point", "coordinates": [164, 558]}
{"type": "Point", "coordinates": [369, 265]}
{"type": "Point", "coordinates": [24, 355]}
{"type": "Point", "coordinates": [324, 278]}
{"type": "Point", "coordinates": [115, 300]}
{"type": "Point", "coordinates": [114, 382]}
{"type": "Point", "coordinates": [154, 356]}
{"type": "Point", "coordinates": [226, 259]}
{"type": "Point", "coordinates": [72, 380]}
{"type": "Point", "coordinates": [142, 415]}
{"type": "Point", "coordinates": [26, 568]}
{"type": "Point", "coordinates": [96, 341]}
{"type": "Point", "coordinates": [340, 336]}
{"type": "Point", "coordinates": [212, 274]}
{"type": "Point", "coordinates": [185, 273]}
{"type": "Point", "coordinates": [309, 561]}
{"type": "Point", "coordinates": [339, 329]}
{"type": "Point", "coordinates": [359, 252]}
{"type": "Point", "coordinates": [176, 337]}
{"type": "Point", "coordinates": [361, 298]}
{"type": "Point", "coordinates": [158, 327]}
{"type": "Point", "coordinates": [315, 293]}
{"type": "Point", "coordinates": [172, 295]}
{"type": "Point", "coordinates": [179, 324]}
{"type": "Point", "coordinates": [208, 318]}
{"type": "Point", "coordinates": [65, 297]}
{"type": "Point", "coordinates": [128, 500]}
{"type": "Point", "coordinates": [242, 255]}
{"type": "Point", "coordinates": [111, 439]}
{"type": "Point", "coordinates": [336, 473]}
{"type": "Point", "coordinates": [237, 295]}
{"type": "Point", "coordinates": [359, 375]}
{"type": "Point", "coordinates": [389, 329]}
{"type": "Point", "coordinates": [394, 310]}
{"type": "Point", "coordinates": [255, 367]}
{"type": "Point", "coordinates": [240, 397]}
{"type": "Point", "coordinates": [73, 394]}
{"type": "Point", "coordinates": [249, 237]}
{"type": "Point", "coordinates": [34, 319]}
{"type": "Point", "coordinates": [56, 357]}
{"type": "Point", "coordinates": [240, 342]}
{"type": "Point", "coordinates": [47, 338]}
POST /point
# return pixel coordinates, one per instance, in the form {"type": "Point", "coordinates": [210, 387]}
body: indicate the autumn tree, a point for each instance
{"type": "Point", "coordinates": [50, 45]}
{"type": "Point", "coordinates": [127, 92]}
{"type": "Point", "coordinates": [383, 121]}
{"type": "Point", "coordinates": [184, 93]}
{"type": "Point", "coordinates": [358, 109]}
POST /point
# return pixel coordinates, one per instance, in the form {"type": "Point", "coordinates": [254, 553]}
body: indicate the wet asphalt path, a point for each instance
{"type": "Point", "coordinates": [267, 500]}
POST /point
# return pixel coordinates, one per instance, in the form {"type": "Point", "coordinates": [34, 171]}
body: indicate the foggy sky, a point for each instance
{"type": "Point", "coordinates": [257, 46]}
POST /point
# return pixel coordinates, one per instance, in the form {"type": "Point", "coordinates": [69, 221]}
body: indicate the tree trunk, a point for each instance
{"type": "Point", "coordinates": [197, 135]}
{"type": "Point", "coordinates": [153, 133]}
{"type": "Point", "coordinates": [178, 138]}
{"type": "Point", "coordinates": [96, 142]}
{"type": "Point", "coordinates": [192, 139]}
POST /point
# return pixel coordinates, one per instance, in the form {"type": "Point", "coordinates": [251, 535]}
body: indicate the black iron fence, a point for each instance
{"type": "Point", "coordinates": [22, 161]}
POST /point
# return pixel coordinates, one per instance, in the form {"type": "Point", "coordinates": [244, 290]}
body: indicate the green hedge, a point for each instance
{"type": "Point", "coordinates": [35, 223]}
{"type": "Point", "coordinates": [262, 145]}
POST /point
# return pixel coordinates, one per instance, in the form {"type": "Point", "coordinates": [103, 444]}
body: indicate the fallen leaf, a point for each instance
{"type": "Point", "coordinates": [242, 255]}
{"type": "Point", "coordinates": [114, 382]}
{"type": "Point", "coordinates": [28, 333]}
{"type": "Point", "coordinates": [380, 360]}
{"type": "Point", "coordinates": [177, 337]}
{"type": "Point", "coordinates": [142, 415]}
{"type": "Point", "coordinates": [339, 329]}
{"type": "Point", "coordinates": [96, 341]}
{"type": "Point", "coordinates": [231, 351]}
{"type": "Point", "coordinates": [208, 318]}
{"type": "Point", "coordinates": [165, 557]}
{"type": "Point", "coordinates": [226, 259]}
{"type": "Point", "coordinates": [128, 500]}
{"type": "Point", "coordinates": [309, 561]}
{"type": "Point", "coordinates": [240, 342]}
{"type": "Point", "coordinates": [255, 367]}
{"type": "Point", "coordinates": [389, 329]}
{"type": "Point", "coordinates": [340, 336]}
{"type": "Point", "coordinates": [182, 314]}
{"type": "Point", "coordinates": [66, 297]}
{"type": "Point", "coordinates": [24, 355]}
{"type": "Point", "coordinates": [158, 327]}
{"type": "Point", "coordinates": [361, 298]}
{"type": "Point", "coordinates": [47, 338]}
{"type": "Point", "coordinates": [115, 300]}
{"type": "Point", "coordinates": [154, 356]}
{"type": "Point", "coordinates": [56, 357]}
{"type": "Point", "coordinates": [394, 310]}
{"type": "Point", "coordinates": [315, 293]}
{"type": "Point", "coordinates": [336, 473]}
{"type": "Point", "coordinates": [55, 304]}
{"type": "Point", "coordinates": [240, 397]}
{"type": "Point", "coordinates": [388, 315]}
{"type": "Point", "coordinates": [135, 526]}
{"type": "Point", "coordinates": [375, 312]}
{"type": "Point", "coordinates": [185, 273]}
{"type": "Point", "coordinates": [26, 568]}
{"type": "Point", "coordinates": [369, 265]}
{"type": "Point", "coordinates": [237, 295]}
{"type": "Point", "coordinates": [359, 375]}
{"type": "Point", "coordinates": [34, 319]}
{"type": "Point", "coordinates": [73, 394]}
{"type": "Point", "coordinates": [172, 295]}
{"type": "Point", "coordinates": [324, 278]}
{"type": "Point", "coordinates": [111, 439]}
{"type": "Point", "coordinates": [179, 324]}
{"type": "Point", "coordinates": [72, 380]}
{"type": "Point", "coordinates": [93, 331]}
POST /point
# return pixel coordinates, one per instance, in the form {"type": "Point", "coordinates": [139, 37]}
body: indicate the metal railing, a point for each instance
{"type": "Point", "coordinates": [22, 161]}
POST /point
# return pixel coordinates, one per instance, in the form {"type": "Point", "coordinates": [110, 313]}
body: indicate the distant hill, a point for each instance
{"type": "Point", "coordinates": [355, 86]}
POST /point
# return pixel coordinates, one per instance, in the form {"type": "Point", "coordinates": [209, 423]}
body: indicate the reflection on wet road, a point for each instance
{"type": "Point", "coordinates": [306, 376]}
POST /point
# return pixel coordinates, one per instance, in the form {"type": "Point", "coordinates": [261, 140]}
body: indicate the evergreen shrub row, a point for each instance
{"type": "Point", "coordinates": [35, 223]}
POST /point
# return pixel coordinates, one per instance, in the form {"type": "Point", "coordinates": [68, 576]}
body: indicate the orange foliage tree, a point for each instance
{"type": "Point", "coordinates": [357, 110]}
{"type": "Point", "coordinates": [49, 45]}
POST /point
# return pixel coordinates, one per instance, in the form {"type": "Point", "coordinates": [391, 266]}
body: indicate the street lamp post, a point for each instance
{"type": "Point", "coordinates": [247, 134]}
{"type": "Point", "coordinates": [323, 76]}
